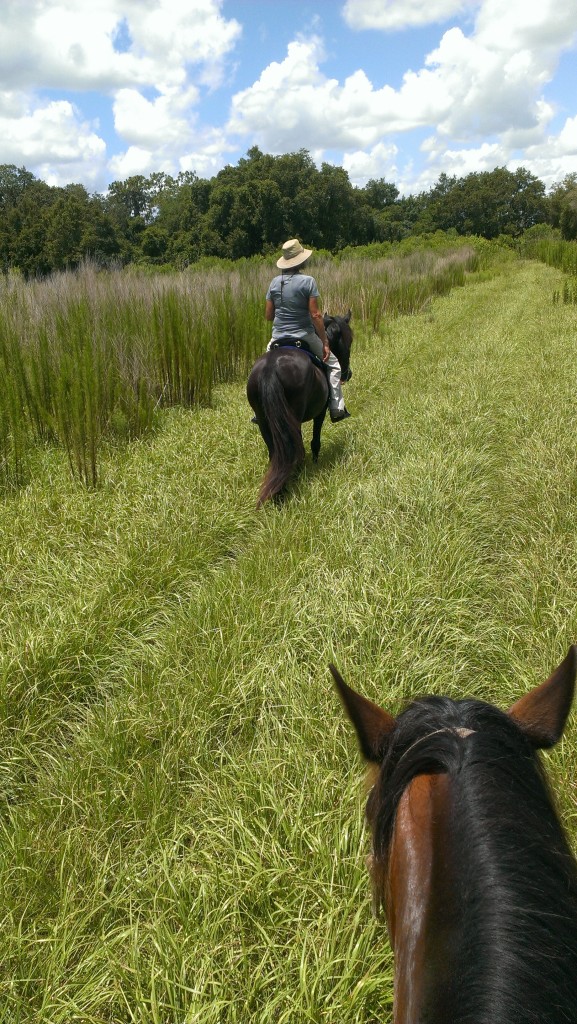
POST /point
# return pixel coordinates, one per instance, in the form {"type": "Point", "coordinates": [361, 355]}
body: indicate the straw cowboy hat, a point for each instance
{"type": "Point", "coordinates": [293, 254]}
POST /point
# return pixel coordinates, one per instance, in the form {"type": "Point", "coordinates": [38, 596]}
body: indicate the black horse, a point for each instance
{"type": "Point", "coordinates": [286, 387]}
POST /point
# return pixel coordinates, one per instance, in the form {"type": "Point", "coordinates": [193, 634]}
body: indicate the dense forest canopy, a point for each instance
{"type": "Point", "coordinates": [251, 208]}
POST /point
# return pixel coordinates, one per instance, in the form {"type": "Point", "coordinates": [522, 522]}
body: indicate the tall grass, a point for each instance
{"type": "Point", "coordinates": [568, 294]}
{"type": "Point", "coordinates": [553, 251]}
{"type": "Point", "coordinates": [14, 427]}
{"type": "Point", "coordinates": [91, 357]}
{"type": "Point", "coordinates": [379, 289]}
{"type": "Point", "coordinates": [181, 835]}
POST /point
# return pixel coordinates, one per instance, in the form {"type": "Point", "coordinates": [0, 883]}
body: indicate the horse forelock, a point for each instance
{"type": "Point", "coordinates": [437, 734]}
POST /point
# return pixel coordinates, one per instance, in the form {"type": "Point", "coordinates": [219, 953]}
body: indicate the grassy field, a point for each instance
{"type": "Point", "coordinates": [181, 836]}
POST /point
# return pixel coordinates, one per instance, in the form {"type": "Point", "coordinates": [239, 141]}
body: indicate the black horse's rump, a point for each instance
{"type": "Point", "coordinates": [290, 342]}
{"type": "Point", "coordinates": [286, 389]}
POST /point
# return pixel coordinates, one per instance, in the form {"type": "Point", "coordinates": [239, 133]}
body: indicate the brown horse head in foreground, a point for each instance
{"type": "Point", "coordinates": [469, 862]}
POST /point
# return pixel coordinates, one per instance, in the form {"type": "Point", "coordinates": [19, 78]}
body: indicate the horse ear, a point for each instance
{"type": "Point", "coordinates": [347, 318]}
{"type": "Point", "coordinates": [373, 725]}
{"type": "Point", "coordinates": [542, 712]}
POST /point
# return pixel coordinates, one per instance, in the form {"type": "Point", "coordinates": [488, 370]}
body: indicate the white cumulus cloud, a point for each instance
{"type": "Point", "coordinates": [54, 139]}
{"type": "Point", "coordinates": [161, 122]}
{"type": "Point", "coordinates": [293, 105]}
{"type": "Point", "coordinates": [479, 91]}
{"type": "Point", "coordinates": [390, 15]}
{"type": "Point", "coordinates": [143, 55]}
{"type": "Point", "coordinates": [111, 44]}
{"type": "Point", "coordinates": [378, 162]}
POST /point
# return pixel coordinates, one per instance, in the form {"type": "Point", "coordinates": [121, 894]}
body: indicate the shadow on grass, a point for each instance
{"type": "Point", "coordinates": [333, 454]}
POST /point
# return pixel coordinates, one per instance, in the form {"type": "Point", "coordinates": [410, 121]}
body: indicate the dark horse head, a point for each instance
{"type": "Point", "coordinates": [285, 389]}
{"type": "Point", "coordinates": [469, 859]}
{"type": "Point", "coordinates": [340, 337]}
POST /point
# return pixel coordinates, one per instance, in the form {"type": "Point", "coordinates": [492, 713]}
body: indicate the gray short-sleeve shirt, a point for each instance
{"type": "Point", "coordinates": [290, 294]}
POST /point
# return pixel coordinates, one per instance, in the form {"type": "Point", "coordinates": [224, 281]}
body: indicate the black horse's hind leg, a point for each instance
{"type": "Point", "coordinates": [316, 438]}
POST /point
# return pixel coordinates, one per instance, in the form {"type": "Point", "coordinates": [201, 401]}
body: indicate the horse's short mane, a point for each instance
{"type": "Point", "coordinates": [512, 854]}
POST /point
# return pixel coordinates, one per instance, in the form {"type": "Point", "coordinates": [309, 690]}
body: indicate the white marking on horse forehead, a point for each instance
{"type": "Point", "coordinates": [456, 730]}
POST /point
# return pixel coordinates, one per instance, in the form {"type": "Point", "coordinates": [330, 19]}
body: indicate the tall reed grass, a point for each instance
{"type": "Point", "coordinates": [381, 289]}
{"type": "Point", "coordinates": [88, 358]}
{"type": "Point", "coordinates": [567, 294]}
{"type": "Point", "coordinates": [554, 252]}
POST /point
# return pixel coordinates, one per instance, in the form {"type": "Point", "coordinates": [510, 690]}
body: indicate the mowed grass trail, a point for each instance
{"type": "Point", "coordinates": [181, 836]}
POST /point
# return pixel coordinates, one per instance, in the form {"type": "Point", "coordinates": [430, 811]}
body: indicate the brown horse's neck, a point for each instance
{"type": "Point", "coordinates": [419, 900]}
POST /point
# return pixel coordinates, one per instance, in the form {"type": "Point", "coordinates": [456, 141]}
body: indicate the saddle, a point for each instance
{"type": "Point", "coordinates": [290, 342]}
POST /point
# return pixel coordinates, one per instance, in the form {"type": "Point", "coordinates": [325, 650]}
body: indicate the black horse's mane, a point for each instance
{"type": "Point", "coordinates": [514, 952]}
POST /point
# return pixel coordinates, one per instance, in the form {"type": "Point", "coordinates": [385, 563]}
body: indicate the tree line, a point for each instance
{"type": "Point", "coordinates": [251, 208]}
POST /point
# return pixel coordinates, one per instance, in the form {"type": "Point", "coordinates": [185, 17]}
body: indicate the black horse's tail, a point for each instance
{"type": "Point", "coordinates": [281, 431]}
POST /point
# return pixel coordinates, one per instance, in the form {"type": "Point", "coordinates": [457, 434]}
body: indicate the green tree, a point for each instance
{"type": "Point", "coordinates": [17, 213]}
{"type": "Point", "coordinates": [380, 193]}
{"type": "Point", "coordinates": [99, 241]}
{"type": "Point", "coordinates": [562, 200]}
{"type": "Point", "coordinates": [135, 198]}
{"type": "Point", "coordinates": [133, 205]}
{"type": "Point", "coordinates": [331, 207]}
{"type": "Point", "coordinates": [14, 181]}
{"type": "Point", "coordinates": [65, 219]}
{"type": "Point", "coordinates": [26, 229]}
{"type": "Point", "coordinates": [77, 228]}
{"type": "Point", "coordinates": [182, 205]}
{"type": "Point", "coordinates": [400, 219]}
{"type": "Point", "coordinates": [245, 216]}
{"type": "Point", "coordinates": [154, 243]}
{"type": "Point", "coordinates": [568, 218]}
{"type": "Point", "coordinates": [528, 201]}
{"type": "Point", "coordinates": [487, 203]}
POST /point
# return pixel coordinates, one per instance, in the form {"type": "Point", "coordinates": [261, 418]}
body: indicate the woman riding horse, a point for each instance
{"type": "Point", "coordinates": [292, 306]}
{"type": "Point", "coordinates": [288, 385]}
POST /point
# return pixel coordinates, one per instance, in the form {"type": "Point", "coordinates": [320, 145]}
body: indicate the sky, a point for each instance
{"type": "Point", "coordinates": [95, 91]}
